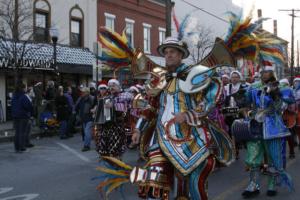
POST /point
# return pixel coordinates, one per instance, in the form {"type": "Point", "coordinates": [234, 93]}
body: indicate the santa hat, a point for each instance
{"type": "Point", "coordinates": [284, 81]}
{"type": "Point", "coordinates": [297, 78]}
{"type": "Point", "coordinates": [102, 85]}
{"type": "Point", "coordinates": [113, 82]}
{"type": "Point", "coordinates": [134, 89]}
{"type": "Point", "coordinates": [267, 66]}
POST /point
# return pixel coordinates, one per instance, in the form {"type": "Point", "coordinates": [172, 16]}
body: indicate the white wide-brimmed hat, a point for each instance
{"type": "Point", "coordinates": [173, 43]}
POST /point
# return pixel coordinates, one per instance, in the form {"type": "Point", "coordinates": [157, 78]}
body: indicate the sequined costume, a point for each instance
{"type": "Point", "coordinates": [272, 144]}
{"type": "Point", "coordinates": [110, 135]}
{"type": "Point", "coordinates": [191, 159]}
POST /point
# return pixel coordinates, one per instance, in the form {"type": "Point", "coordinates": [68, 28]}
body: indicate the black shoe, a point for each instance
{"type": "Point", "coordinates": [23, 150]}
{"type": "Point", "coordinates": [30, 145]}
{"type": "Point", "coordinates": [63, 137]}
{"type": "Point", "coordinates": [85, 148]}
{"type": "Point", "coordinates": [292, 156]}
{"type": "Point", "coordinates": [250, 194]}
{"type": "Point", "coordinates": [271, 193]}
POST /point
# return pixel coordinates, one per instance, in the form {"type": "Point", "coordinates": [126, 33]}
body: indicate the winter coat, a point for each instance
{"type": "Point", "coordinates": [62, 107]}
{"type": "Point", "coordinates": [21, 106]}
{"type": "Point", "coordinates": [84, 106]}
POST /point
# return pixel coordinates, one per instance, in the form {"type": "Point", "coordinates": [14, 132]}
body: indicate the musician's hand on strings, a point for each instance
{"type": "Point", "coordinates": [135, 138]}
{"type": "Point", "coordinates": [179, 117]}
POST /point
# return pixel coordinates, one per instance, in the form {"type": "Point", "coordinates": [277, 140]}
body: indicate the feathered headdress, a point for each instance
{"type": "Point", "coordinates": [240, 38]}
{"type": "Point", "coordinates": [270, 51]}
{"type": "Point", "coordinates": [116, 52]}
{"type": "Point", "coordinates": [244, 40]}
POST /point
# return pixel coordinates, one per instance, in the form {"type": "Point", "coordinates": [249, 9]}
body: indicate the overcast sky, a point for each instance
{"type": "Point", "coordinates": [270, 9]}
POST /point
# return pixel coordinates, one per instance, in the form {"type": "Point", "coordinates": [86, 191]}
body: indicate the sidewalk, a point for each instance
{"type": "Point", "coordinates": [7, 132]}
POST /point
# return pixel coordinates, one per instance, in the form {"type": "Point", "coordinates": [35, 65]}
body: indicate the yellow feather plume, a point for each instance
{"type": "Point", "coordinates": [113, 172]}
{"type": "Point", "coordinates": [118, 162]}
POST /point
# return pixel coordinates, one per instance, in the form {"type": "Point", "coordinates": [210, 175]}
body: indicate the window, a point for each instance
{"type": "Point", "coordinates": [41, 22]}
{"type": "Point", "coordinates": [147, 36]}
{"type": "Point", "coordinates": [76, 36]}
{"type": "Point", "coordinates": [110, 21]}
{"type": "Point", "coordinates": [76, 27]}
{"type": "Point", "coordinates": [162, 35]}
{"type": "Point", "coordinates": [129, 31]}
{"type": "Point", "coordinates": [41, 29]}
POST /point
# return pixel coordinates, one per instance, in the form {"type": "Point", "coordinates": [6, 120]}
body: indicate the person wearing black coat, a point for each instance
{"type": "Point", "coordinates": [22, 110]}
{"type": "Point", "coordinates": [62, 111]}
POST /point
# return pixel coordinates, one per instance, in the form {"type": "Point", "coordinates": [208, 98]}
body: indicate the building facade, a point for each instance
{"type": "Point", "coordinates": [144, 22]}
{"type": "Point", "coordinates": [72, 22]}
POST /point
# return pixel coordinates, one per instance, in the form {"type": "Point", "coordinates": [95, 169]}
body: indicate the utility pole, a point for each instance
{"type": "Point", "coordinates": [292, 40]}
{"type": "Point", "coordinates": [16, 21]}
{"type": "Point", "coordinates": [169, 6]}
{"type": "Point", "coordinates": [298, 67]}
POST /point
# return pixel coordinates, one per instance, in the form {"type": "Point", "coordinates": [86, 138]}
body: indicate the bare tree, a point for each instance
{"type": "Point", "coordinates": [16, 33]}
{"type": "Point", "coordinates": [200, 42]}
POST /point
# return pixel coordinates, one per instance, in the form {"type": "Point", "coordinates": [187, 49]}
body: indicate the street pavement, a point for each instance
{"type": "Point", "coordinates": [57, 170]}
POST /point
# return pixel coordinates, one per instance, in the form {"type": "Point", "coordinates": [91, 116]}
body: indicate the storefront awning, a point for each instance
{"type": "Point", "coordinates": [41, 56]}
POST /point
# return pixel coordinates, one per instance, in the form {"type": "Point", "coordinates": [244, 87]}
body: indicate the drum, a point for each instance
{"type": "Point", "coordinates": [245, 130]}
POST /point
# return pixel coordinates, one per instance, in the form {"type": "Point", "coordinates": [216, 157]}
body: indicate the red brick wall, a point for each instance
{"type": "Point", "coordinates": [141, 11]}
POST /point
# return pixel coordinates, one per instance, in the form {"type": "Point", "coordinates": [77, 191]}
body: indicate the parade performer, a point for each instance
{"type": "Point", "coordinates": [289, 116]}
{"type": "Point", "coordinates": [234, 101]}
{"type": "Point", "coordinates": [265, 132]}
{"type": "Point", "coordinates": [182, 144]}
{"type": "Point", "coordinates": [267, 99]}
{"type": "Point", "coordinates": [296, 87]}
{"type": "Point", "coordinates": [111, 113]}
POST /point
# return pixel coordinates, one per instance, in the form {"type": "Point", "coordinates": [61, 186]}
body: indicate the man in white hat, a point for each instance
{"type": "Point", "coordinates": [171, 147]}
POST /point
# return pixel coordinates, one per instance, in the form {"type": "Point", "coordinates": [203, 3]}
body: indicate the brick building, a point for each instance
{"type": "Point", "coordinates": [144, 20]}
